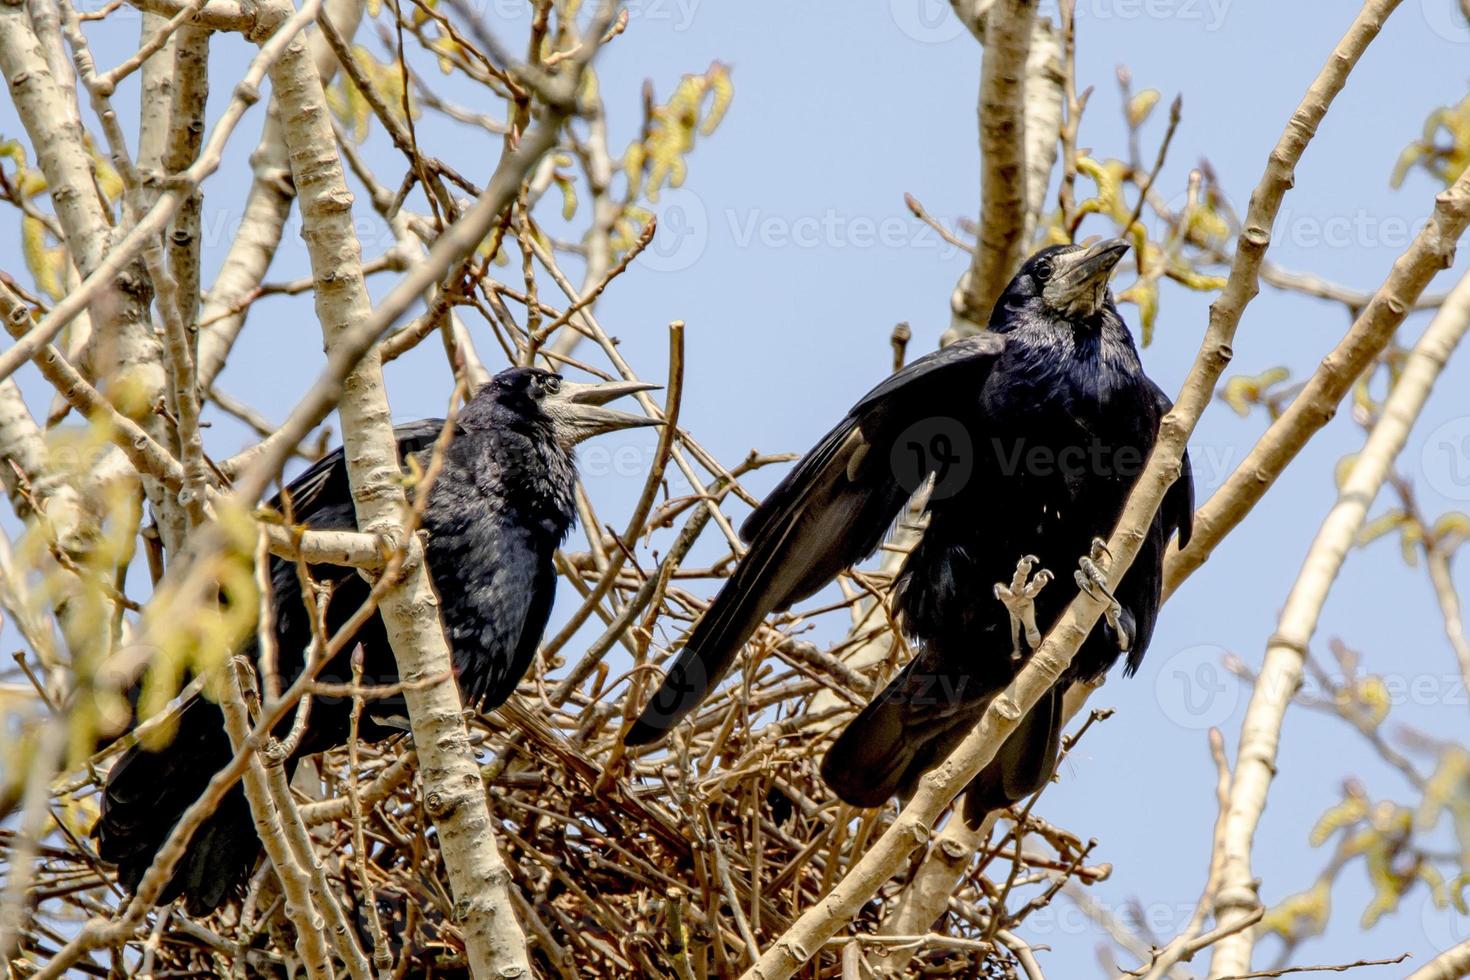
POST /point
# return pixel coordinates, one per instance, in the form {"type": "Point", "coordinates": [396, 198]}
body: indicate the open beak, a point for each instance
{"type": "Point", "coordinates": [1079, 286]}
{"type": "Point", "coordinates": [578, 411]}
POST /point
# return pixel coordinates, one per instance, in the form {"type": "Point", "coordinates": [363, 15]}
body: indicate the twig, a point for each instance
{"type": "Point", "coordinates": [1334, 968]}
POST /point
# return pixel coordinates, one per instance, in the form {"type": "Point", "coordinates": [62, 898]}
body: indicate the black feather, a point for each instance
{"type": "Point", "coordinates": [1050, 420]}
{"type": "Point", "coordinates": [500, 506]}
{"type": "Point", "coordinates": [831, 511]}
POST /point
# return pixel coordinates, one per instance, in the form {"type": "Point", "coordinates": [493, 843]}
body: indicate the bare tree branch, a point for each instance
{"type": "Point", "coordinates": [1454, 962]}
{"type": "Point", "coordinates": [1003, 174]}
{"type": "Point", "coordinates": [263, 220]}
{"type": "Point", "coordinates": [1433, 249]}
{"type": "Point", "coordinates": [1281, 672]}
{"type": "Point", "coordinates": [409, 609]}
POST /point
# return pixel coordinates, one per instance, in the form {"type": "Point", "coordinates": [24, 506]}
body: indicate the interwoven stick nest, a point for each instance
{"type": "Point", "coordinates": [680, 860]}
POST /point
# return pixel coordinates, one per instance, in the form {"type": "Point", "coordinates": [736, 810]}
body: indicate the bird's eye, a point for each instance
{"type": "Point", "coordinates": [552, 384]}
{"type": "Point", "coordinates": [1043, 269]}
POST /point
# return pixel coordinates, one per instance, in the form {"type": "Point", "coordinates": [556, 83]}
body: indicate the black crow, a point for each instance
{"type": "Point", "coordinates": [500, 506]}
{"type": "Point", "coordinates": [1030, 437]}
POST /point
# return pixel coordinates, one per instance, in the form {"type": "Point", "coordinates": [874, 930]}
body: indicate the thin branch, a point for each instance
{"type": "Point", "coordinates": [1332, 968]}
{"type": "Point", "coordinates": [1433, 249]}
{"type": "Point", "coordinates": [1281, 671]}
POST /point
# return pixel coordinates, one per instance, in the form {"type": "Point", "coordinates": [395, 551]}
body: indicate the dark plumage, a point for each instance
{"type": "Point", "coordinates": [1034, 433]}
{"type": "Point", "coordinates": [500, 506]}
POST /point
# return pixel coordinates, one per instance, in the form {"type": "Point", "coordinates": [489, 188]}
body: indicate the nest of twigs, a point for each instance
{"type": "Point", "coordinates": [682, 861]}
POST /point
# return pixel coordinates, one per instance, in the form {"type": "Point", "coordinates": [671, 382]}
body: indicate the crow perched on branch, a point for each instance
{"type": "Point", "coordinates": [500, 506]}
{"type": "Point", "coordinates": [1030, 436]}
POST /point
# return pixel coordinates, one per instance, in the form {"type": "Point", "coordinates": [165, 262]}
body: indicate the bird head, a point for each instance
{"type": "Point", "coordinates": [572, 410]}
{"type": "Point", "coordinates": [1063, 283]}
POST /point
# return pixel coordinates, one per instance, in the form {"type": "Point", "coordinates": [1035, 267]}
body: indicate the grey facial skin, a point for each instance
{"type": "Point", "coordinates": [1079, 285]}
{"type": "Point", "coordinates": [578, 410]}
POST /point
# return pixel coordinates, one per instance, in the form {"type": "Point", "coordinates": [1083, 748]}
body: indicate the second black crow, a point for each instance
{"type": "Point", "coordinates": [500, 506]}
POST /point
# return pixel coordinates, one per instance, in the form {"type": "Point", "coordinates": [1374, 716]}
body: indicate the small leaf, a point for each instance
{"type": "Point", "coordinates": [1242, 391]}
{"type": "Point", "coordinates": [1300, 915]}
{"type": "Point", "coordinates": [1145, 294]}
{"type": "Point", "coordinates": [1373, 694]}
{"type": "Point", "coordinates": [47, 263]}
{"type": "Point", "coordinates": [697, 106]}
{"type": "Point", "coordinates": [568, 196]}
{"type": "Point", "coordinates": [1411, 537]}
{"type": "Point", "coordinates": [1140, 106]}
{"type": "Point", "coordinates": [1379, 526]}
{"type": "Point", "coordinates": [1349, 812]}
{"type": "Point", "coordinates": [1451, 529]}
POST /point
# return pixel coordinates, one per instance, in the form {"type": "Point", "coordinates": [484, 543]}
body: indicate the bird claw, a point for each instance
{"type": "Point", "coordinates": [1092, 577]}
{"type": "Point", "coordinates": [1019, 598]}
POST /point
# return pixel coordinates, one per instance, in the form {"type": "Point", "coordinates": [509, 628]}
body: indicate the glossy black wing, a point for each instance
{"type": "Point", "coordinates": [1177, 509]}
{"type": "Point", "coordinates": [1145, 578]}
{"type": "Point", "coordinates": [321, 497]}
{"type": "Point", "coordinates": [830, 512]}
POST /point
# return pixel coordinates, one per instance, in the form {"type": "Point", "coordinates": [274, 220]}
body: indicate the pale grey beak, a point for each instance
{"type": "Point", "coordinates": [577, 411]}
{"type": "Point", "coordinates": [1079, 285]}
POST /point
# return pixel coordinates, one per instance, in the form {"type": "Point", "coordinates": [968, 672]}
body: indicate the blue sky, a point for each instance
{"type": "Point", "coordinates": [790, 254]}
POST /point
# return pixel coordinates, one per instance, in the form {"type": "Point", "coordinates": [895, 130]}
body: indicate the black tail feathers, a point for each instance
{"type": "Point", "coordinates": [146, 794]}
{"type": "Point", "coordinates": [1023, 764]}
{"type": "Point", "coordinates": [888, 748]}
{"type": "Point", "coordinates": [871, 759]}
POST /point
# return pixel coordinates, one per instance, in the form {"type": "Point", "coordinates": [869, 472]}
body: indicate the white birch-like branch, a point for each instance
{"type": "Point", "coordinates": [1003, 175]}
{"type": "Point", "coordinates": [1045, 95]}
{"type": "Point", "coordinates": [185, 136]}
{"type": "Point", "coordinates": [927, 894]}
{"type": "Point", "coordinates": [1281, 672]}
{"type": "Point", "coordinates": [1454, 962]}
{"type": "Point", "coordinates": [1432, 250]}
{"type": "Point", "coordinates": [453, 795]}
{"type": "Point", "coordinates": [239, 16]}
{"type": "Point", "coordinates": [311, 942]}
{"type": "Point", "coordinates": [263, 221]}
